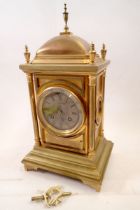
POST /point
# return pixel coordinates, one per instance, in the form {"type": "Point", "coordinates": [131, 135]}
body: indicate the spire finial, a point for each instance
{"type": "Point", "coordinates": [66, 14]}
{"type": "Point", "coordinates": [103, 52]}
{"type": "Point", "coordinates": [27, 54]}
{"type": "Point", "coordinates": [92, 53]}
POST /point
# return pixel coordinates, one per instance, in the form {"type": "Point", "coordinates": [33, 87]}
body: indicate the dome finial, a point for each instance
{"type": "Point", "coordinates": [66, 14]}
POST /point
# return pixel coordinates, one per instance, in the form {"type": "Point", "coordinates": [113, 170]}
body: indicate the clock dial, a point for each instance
{"type": "Point", "coordinates": [62, 110]}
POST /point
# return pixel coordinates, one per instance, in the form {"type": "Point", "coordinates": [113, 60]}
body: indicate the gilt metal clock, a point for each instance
{"type": "Point", "coordinates": [66, 82]}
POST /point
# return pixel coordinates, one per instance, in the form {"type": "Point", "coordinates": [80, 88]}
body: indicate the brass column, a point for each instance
{"type": "Point", "coordinates": [103, 92]}
{"type": "Point", "coordinates": [33, 108]}
{"type": "Point", "coordinates": [92, 105]}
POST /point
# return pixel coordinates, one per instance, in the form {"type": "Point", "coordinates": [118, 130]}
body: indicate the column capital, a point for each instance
{"type": "Point", "coordinates": [92, 80]}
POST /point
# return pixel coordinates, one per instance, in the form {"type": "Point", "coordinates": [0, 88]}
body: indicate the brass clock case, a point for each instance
{"type": "Point", "coordinates": [68, 64]}
{"type": "Point", "coordinates": [70, 94]}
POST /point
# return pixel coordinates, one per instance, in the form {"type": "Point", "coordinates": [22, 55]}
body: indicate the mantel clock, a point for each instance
{"type": "Point", "coordinates": [66, 82]}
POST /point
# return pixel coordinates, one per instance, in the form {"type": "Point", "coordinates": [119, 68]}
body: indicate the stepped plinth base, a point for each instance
{"type": "Point", "coordinates": [88, 169]}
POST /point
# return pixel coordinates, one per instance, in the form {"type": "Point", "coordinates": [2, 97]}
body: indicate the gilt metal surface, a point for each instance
{"type": "Point", "coordinates": [69, 63]}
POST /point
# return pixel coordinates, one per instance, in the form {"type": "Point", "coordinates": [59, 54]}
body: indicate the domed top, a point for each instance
{"type": "Point", "coordinates": [65, 48]}
{"type": "Point", "coordinates": [65, 44]}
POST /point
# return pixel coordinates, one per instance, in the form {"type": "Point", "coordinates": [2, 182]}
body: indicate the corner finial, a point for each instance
{"type": "Point", "coordinates": [66, 14]}
{"type": "Point", "coordinates": [27, 54]}
{"type": "Point", "coordinates": [103, 52]}
{"type": "Point", "coordinates": [92, 53]}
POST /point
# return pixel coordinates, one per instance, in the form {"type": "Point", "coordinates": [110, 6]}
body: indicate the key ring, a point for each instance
{"type": "Point", "coordinates": [53, 196]}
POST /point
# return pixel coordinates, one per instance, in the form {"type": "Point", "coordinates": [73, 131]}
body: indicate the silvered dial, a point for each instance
{"type": "Point", "coordinates": [62, 110]}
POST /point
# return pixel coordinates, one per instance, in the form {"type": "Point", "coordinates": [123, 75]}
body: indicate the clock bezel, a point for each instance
{"type": "Point", "coordinates": [64, 133]}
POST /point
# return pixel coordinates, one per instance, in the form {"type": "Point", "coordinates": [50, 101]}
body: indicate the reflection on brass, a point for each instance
{"type": "Point", "coordinates": [103, 52]}
{"type": "Point", "coordinates": [27, 54]}
{"type": "Point", "coordinates": [68, 64]}
{"type": "Point", "coordinates": [52, 197]}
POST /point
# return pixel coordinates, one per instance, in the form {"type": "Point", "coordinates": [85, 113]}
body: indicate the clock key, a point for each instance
{"type": "Point", "coordinates": [53, 196]}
